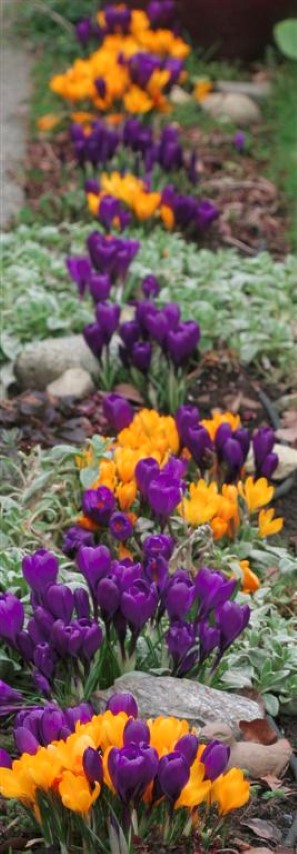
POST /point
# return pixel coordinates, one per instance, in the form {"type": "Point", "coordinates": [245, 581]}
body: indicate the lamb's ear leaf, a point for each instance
{"type": "Point", "coordinates": [285, 35]}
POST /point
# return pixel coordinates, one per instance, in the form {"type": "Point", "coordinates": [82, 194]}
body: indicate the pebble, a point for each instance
{"type": "Point", "coordinates": [236, 108]}
{"type": "Point", "coordinates": [75, 382]}
{"type": "Point", "coordinates": [42, 362]}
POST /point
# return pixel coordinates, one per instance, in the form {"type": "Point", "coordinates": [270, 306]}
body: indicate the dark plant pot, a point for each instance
{"type": "Point", "coordinates": [236, 29]}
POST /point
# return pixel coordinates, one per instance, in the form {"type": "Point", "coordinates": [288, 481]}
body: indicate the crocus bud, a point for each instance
{"type": "Point", "coordinates": [44, 659]}
{"type": "Point", "coordinates": [187, 745]}
{"type": "Point", "coordinates": [179, 595]}
{"type": "Point", "coordinates": [136, 732]}
{"type": "Point", "coordinates": [11, 617]}
{"type": "Point", "coordinates": [25, 741]}
{"type": "Point", "coordinates": [81, 602]}
{"type": "Point", "coordinates": [231, 619]}
{"type": "Point", "coordinates": [173, 774]}
{"type": "Point", "coordinates": [117, 411]}
{"type": "Point", "coordinates": [139, 603]}
{"type": "Point", "coordinates": [94, 564]}
{"type": "Point", "coordinates": [164, 494]}
{"type": "Point", "coordinates": [40, 569]}
{"type": "Point", "coordinates": [215, 757]}
{"type": "Point", "coordinates": [122, 703]}
{"type": "Point", "coordinates": [5, 759]}
{"type": "Point", "coordinates": [50, 724]}
{"type": "Point", "coordinates": [59, 600]}
{"type": "Point", "coordinates": [98, 504]}
{"type": "Point", "coordinates": [120, 526]}
{"type": "Point", "coordinates": [92, 765]}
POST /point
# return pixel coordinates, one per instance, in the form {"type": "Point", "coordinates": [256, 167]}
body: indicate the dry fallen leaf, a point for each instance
{"type": "Point", "coordinates": [130, 392]}
{"type": "Point", "coordinates": [258, 730]}
{"type": "Point", "coordinates": [272, 782]}
{"type": "Point", "coordinates": [263, 829]}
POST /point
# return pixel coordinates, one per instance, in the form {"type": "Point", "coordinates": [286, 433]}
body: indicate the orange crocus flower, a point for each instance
{"type": "Point", "coordinates": [250, 581]}
{"type": "Point", "coordinates": [76, 794]}
{"type": "Point", "coordinates": [230, 791]}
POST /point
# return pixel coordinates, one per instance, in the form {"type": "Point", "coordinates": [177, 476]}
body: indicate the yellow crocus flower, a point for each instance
{"type": "Point", "coordinates": [268, 525]}
{"type": "Point", "coordinates": [256, 493]}
{"type": "Point", "coordinates": [76, 794]}
{"type": "Point", "coordinates": [196, 789]}
{"type": "Point", "coordinates": [230, 791]}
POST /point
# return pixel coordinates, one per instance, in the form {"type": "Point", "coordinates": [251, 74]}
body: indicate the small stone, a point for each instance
{"type": "Point", "coordinates": [42, 362]}
{"type": "Point", "coordinates": [178, 96]}
{"type": "Point", "coordinates": [182, 698]}
{"type": "Point", "coordinates": [254, 90]}
{"type": "Point", "coordinates": [75, 382]}
{"type": "Point", "coordinates": [236, 108]}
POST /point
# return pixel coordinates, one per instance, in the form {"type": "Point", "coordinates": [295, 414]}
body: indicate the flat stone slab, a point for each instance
{"type": "Point", "coordinates": [258, 91]}
{"type": "Point", "coordinates": [182, 698]}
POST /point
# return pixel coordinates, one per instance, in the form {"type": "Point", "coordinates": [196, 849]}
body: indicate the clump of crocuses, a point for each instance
{"type": "Point", "coordinates": [70, 630]}
{"type": "Point", "coordinates": [106, 781]}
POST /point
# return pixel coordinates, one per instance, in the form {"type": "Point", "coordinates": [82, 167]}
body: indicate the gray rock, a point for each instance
{"type": "Point", "coordinates": [75, 382]}
{"type": "Point", "coordinates": [43, 362]}
{"type": "Point", "coordinates": [236, 108]}
{"type": "Point", "coordinates": [179, 97]}
{"type": "Point", "coordinates": [257, 91]}
{"type": "Point", "coordinates": [182, 698]}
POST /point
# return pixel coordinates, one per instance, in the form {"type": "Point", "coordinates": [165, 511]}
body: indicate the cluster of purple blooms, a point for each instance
{"type": "Point", "coordinates": [122, 596]}
{"type": "Point", "coordinates": [160, 14]}
{"type": "Point", "coordinates": [230, 447]}
{"type": "Point", "coordinates": [53, 634]}
{"type": "Point", "coordinates": [108, 261]}
{"type": "Point", "coordinates": [163, 327]}
{"type": "Point", "coordinates": [100, 146]}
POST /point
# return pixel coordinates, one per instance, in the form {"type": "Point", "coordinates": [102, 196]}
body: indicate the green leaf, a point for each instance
{"type": "Point", "coordinates": [271, 704]}
{"type": "Point", "coordinates": [285, 34]}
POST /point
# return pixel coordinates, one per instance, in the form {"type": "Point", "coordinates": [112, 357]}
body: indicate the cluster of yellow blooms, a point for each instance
{"type": "Point", "coordinates": [133, 192]}
{"type": "Point", "coordinates": [78, 83]}
{"type": "Point", "coordinates": [58, 768]}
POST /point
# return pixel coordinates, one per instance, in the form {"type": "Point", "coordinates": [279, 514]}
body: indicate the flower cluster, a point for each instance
{"type": "Point", "coordinates": [152, 471]}
{"type": "Point", "coordinates": [117, 192]}
{"type": "Point", "coordinates": [191, 617]}
{"type": "Point", "coordinates": [135, 65]}
{"type": "Point", "coordinates": [130, 765]}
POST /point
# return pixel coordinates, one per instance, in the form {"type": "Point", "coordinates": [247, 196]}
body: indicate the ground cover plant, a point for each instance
{"type": "Point", "coordinates": [147, 549]}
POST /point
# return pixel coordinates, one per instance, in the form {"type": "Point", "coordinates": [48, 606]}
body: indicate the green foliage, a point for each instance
{"type": "Point", "coordinates": [249, 304]}
{"type": "Point", "coordinates": [285, 34]}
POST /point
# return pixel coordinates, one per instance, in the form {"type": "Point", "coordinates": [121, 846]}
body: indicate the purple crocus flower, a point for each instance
{"type": "Point", "coordinates": [179, 595]}
{"type": "Point", "coordinates": [209, 639]}
{"type": "Point", "coordinates": [122, 703]}
{"type": "Point", "coordinates": [25, 741]}
{"type": "Point", "coordinates": [158, 545]}
{"type": "Point", "coordinates": [146, 470]}
{"type": "Point", "coordinates": [186, 416]}
{"type": "Point", "coordinates": [65, 640]}
{"type": "Point", "coordinates": [83, 30]}
{"type": "Point", "coordinates": [131, 769]}
{"type": "Point", "coordinates": [100, 287]}
{"type": "Point", "coordinates": [50, 724]}
{"type": "Point", "coordinates": [215, 757]}
{"type": "Point", "coordinates": [120, 526]}
{"type": "Point", "coordinates": [155, 570]}
{"type": "Point", "coordinates": [150, 286]}
{"type": "Point", "coordinates": [44, 659]}
{"type": "Point", "coordinates": [212, 589]}
{"type": "Point", "coordinates": [117, 411]}
{"type": "Point", "coordinates": [109, 209]}
{"type": "Point", "coordinates": [40, 570]}
{"type": "Point", "coordinates": [92, 186]}
{"type": "Point", "coordinates": [9, 697]}
{"type": "Point", "coordinates": [181, 641]}
{"type": "Point", "coordinates": [83, 713]}
{"type": "Point", "coordinates": [136, 732]}
{"type": "Point", "coordinates": [80, 271]}
{"type": "Point", "coordinates": [108, 315]}
{"type": "Point", "coordinates": [199, 444]}
{"type": "Point", "coordinates": [182, 342]}
{"type": "Point", "coordinates": [141, 354]}
{"type": "Point", "coordinates": [74, 538]}
{"type": "Point", "coordinates": [94, 564]}
{"type": "Point", "coordinates": [164, 494]}
{"type": "Point", "coordinates": [5, 759]}
{"type": "Point", "coordinates": [108, 596]}
{"type": "Point", "coordinates": [231, 619]}
{"type": "Point", "coordinates": [41, 683]}
{"type": "Point", "coordinates": [173, 774]}
{"type": "Point", "coordinates": [158, 326]}
{"type": "Point", "coordinates": [265, 460]}
{"type": "Point", "coordinates": [187, 745]}
{"type": "Point", "coordinates": [117, 19]}
{"type": "Point", "coordinates": [11, 617]}
{"type": "Point", "coordinates": [92, 638]}
{"type": "Point", "coordinates": [25, 646]}
{"type": "Point", "coordinates": [100, 84]}
{"type": "Point", "coordinates": [139, 603]}
{"type": "Point", "coordinates": [130, 333]}
{"type": "Point", "coordinates": [239, 141]}
{"type": "Point", "coordinates": [161, 12]}
{"type": "Point", "coordinates": [98, 504]}
{"type": "Point", "coordinates": [59, 600]}
{"type": "Point", "coordinates": [206, 213]}
{"type": "Point", "coordinates": [93, 336]}
{"type": "Point", "coordinates": [81, 602]}
{"type": "Point", "coordinates": [92, 765]}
